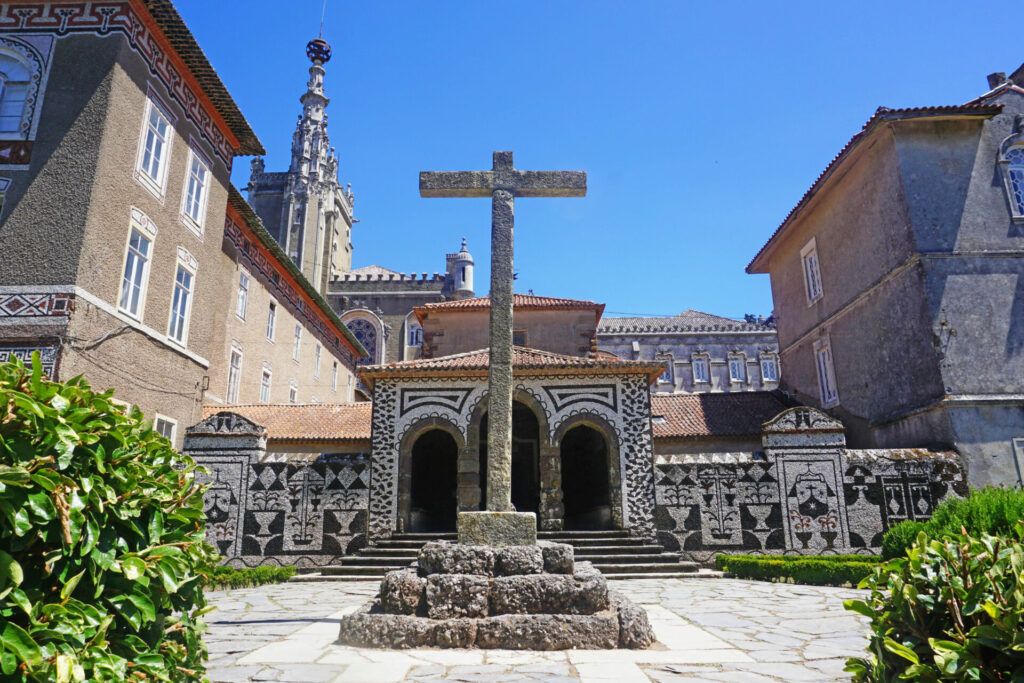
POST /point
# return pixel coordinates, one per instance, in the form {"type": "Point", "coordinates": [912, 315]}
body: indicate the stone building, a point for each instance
{"type": "Point", "coordinates": [657, 481]}
{"type": "Point", "coordinates": [305, 208]}
{"type": "Point", "coordinates": [702, 352]}
{"type": "Point", "coordinates": [897, 282]}
{"type": "Point", "coordinates": [378, 304]}
{"type": "Point", "coordinates": [125, 253]}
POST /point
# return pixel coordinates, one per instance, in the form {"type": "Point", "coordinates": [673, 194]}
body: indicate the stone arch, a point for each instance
{"type": "Point", "coordinates": [406, 448]}
{"type": "Point", "coordinates": [549, 507]}
{"type": "Point", "coordinates": [27, 73]}
{"type": "Point", "coordinates": [608, 433]}
{"type": "Point", "coordinates": [369, 329]}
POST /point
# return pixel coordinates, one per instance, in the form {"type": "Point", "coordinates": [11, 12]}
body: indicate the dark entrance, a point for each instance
{"type": "Point", "coordinates": [525, 460]}
{"type": "Point", "coordinates": [585, 486]}
{"type": "Point", "coordinates": [434, 476]}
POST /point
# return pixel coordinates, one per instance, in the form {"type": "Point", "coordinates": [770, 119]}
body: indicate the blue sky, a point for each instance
{"type": "Point", "coordinates": [700, 124]}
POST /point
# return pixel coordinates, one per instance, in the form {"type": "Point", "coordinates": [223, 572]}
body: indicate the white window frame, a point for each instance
{"type": "Point", "coordinates": [234, 375]}
{"type": "Point", "coordinates": [318, 351]}
{"type": "Point", "coordinates": [242, 296]}
{"type": "Point", "coordinates": [670, 369]}
{"type": "Point", "coordinates": [828, 389]}
{"type": "Point", "coordinates": [158, 186]}
{"type": "Point", "coordinates": [266, 384]}
{"type": "Point", "coordinates": [334, 376]}
{"type": "Point", "coordinates": [139, 223]}
{"type": "Point", "coordinates": [188, 263]}
{"type": "Point", "coordinates": [703, 360]}
{"type": "Point", "coordinates": [740, 361]}
{"type": "Point", "coordinates": [415, 339]}
{"type": "Point", "coordinates": [195, 223]}
{"type": "Point", "coordinates": [1016, 207]}
{"type": "Point", "coordinates": [773, 360]}
{"type": "Point", "coordinates": [172, 422]}
{"type": "Point", "coordinates": [297, 343]}
{"type": "Point", "coordinates": [293, 392]}
{"type": "Point", "coordinates": [809, 261]}
{"type": "Point", "coordinates": [271, 330]}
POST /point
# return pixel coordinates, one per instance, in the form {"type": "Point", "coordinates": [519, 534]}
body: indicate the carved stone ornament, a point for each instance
{"type": "Point", "coordinates": [802, 419]}
{"type": "Point", "coordinates": [226, 423]}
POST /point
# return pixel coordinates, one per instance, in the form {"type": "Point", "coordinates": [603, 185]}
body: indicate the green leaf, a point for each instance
{"type": "Point", "coordinates": [17, 640]}
{"type": "Point", "coordinates": [901, 650]}
{"type": "Point", "coordinates": [133, 567]}
{"type": "Point", "coordinates": [860, 607]}
{"type": "Point", "coordinates": [14, 476]}
{"type": "Point", "coordinates": [70, 585]}
{"type": "Point", "coordinates": [11, 573]}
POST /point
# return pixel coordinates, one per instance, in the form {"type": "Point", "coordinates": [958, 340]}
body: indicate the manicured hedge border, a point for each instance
{"type": "Point", "coordinates": [219, 578]}
{"type": "Point", "coordinates": [815, 570]}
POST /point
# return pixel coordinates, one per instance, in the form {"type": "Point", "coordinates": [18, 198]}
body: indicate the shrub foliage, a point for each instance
{"type": "Point", "coordinates": [101, 539]}
{"type": "Point", "coordinates": [817, 570]}
{"type": "Point", "coordinates": [247, 577]}
{"type": "Point", "coordinates": [951, 610]}
{"type": "Point", "coordinates": [985, 511]}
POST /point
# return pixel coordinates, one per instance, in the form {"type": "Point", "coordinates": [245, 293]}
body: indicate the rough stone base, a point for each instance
{"type": "Point", "coordinates": [520, 597]}
{"type": "Point", "coordinates": [497, 529]}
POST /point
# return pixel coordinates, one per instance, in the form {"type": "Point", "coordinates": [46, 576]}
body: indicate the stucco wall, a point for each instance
{"type": "Point", "coordinates": [565, 332]}
{"type": "Point", "coordinates": [681, 347]}
{"type": "Point", "coordinates": [44, 215]}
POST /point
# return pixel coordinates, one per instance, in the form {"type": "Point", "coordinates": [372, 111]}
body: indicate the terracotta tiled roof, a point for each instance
{"type": "Point", "coordinates": [184, 43]}
{"type": "Point", "coordinates": [305, 421]}
{"type": "Point", "coordinates": [687, 321]}
{"type": "Point", "coordinates": [521, 301]}
{"type": "Point", "coordinates": [525, 362]}
{"type": "Point", "coordinates": [882, 115]}
{"type": "Point", "coordinates": [738, 414]}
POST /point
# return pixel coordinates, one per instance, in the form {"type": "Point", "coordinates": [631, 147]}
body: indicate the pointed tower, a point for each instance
{"type": "Point", "coordinates": [459, 267]}
{"type": "Point", "coordinates": [305, 208]}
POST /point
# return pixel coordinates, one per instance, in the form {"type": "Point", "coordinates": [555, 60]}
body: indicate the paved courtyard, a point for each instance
{"type": "Point", "coordinates": [708, 630]}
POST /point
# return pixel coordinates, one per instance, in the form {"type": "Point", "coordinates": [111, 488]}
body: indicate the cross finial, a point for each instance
{"type": "Point", "coordinates": [502, 161]}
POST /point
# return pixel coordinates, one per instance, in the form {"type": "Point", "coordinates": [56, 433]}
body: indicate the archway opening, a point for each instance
{"type": "Point", "coordinates": [433, 495]}
{"type": "Point", "coordinates": [586, 490]}
{"type": "Point", "coordinates": [525, 459]}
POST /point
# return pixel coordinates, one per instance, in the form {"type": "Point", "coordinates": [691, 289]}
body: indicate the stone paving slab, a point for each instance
{"type": "Point", "coordinates": [724, 630]}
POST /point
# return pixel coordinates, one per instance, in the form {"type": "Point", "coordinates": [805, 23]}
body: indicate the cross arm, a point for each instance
{"type": "Point", "coordinates": [548, 183]}
{"type": "Point", "coordinates": [456, 183]}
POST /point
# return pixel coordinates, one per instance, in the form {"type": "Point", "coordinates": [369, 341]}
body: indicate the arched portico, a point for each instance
{"type": "Point", "coordinates": [428, 480]}
{"type": "Point", "coordinates": [535, 466]}
{"type": "Point", "coordinates": [591, 484]}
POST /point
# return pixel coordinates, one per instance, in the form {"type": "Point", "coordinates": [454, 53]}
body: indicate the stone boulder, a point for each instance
{"type": "Point", "coordinates": [558, 557]}
{"type": "Point", "coordinates": [548, 594]}
{"type": "Point", "coordinates": [451, 596]}
{"type": "Point", "coordinates": [403, 592]}
{"type": "Point", "coordinates": [441, 557]}
{"type": "Point", "coordinates": [549, 632]}
{"type": "Point", "coordinates": [635, 632]}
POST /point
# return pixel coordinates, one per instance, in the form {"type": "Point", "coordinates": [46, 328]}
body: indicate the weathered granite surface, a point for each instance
{"type": "Point", "coordinates": [497, 529]}
{"type": "Point", "coordinates": [477, 596]}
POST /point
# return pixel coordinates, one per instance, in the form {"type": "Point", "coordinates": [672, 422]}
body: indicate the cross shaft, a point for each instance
{"type": "Point", "coordinates": [502, 184]}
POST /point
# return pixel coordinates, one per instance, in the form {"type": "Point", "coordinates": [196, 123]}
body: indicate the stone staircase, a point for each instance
{"type": "Point", "coordinates": [615, 553]}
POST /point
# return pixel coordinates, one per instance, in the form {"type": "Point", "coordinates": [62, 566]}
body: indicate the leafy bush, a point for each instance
{"type": "Point", "coordinates": [985, 511]}
{"type": "Point", "coordinates": [248, 577]}
{"type": "Point", "coordinates": [952, 610]}
{"type": "Point", "coordinates": [101, 539]}
{"type": "Point", "coordinates": [899, 537]}
{"type": "Point", "coordinates": [816, 570]}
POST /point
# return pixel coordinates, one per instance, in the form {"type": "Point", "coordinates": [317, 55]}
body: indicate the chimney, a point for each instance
{"type": "Point", "coordinates": [995, 80]}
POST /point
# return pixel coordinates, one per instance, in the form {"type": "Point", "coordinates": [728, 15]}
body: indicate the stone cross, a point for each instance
{"type": "Point", "coordinates": [502, 184]}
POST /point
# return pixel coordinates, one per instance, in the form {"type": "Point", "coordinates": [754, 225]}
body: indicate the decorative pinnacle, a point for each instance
{"type": "Point", "coordinates": [318, 51]}
{"type": "Point", "coordinates": [463, 245]}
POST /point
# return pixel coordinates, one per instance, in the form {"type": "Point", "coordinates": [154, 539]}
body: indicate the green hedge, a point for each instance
{"type": "Point", "coordinates": [992, 511]}
{"type": "Point", "coordinates": [815, 570]}
{"type": "Point", "coordinates": [101, 539]}
{"type": "Point", "coordinates": [221, 577]}
{"type": "Point", "coordinates": [951, 610]}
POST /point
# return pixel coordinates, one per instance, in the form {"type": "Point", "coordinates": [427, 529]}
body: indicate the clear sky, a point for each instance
{"type": "Point", "coordinates": [700, 125]}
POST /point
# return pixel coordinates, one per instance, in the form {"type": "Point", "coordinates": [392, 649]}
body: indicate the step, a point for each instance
{"type": "Point", "coordinates": [391, 552]}
{"type": "Point", "coordinates": [371, 560]}
{"type": "Point", "coordinates": [610, 533]}
{"type": "Point", "coordinates": [424, 536]}
{"type": "Point", "coordinates": [701, 574]}
{"type": "Point", "coordinates": [376, 569]}
{"type": "Point", "coordinates": [660, 558]}
{"type": "Point", "coordinates": [641, 549]}
{"type": "Point", "coordinates": [649, 568]}
{"type": "Point", "coordinates": [591, 542]}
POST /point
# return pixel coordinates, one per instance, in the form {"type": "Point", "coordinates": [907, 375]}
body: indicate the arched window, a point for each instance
{"type": "Point", "coordinates": [1015, 179]}
{"type": "Point", "coordinates": [15, 80]}
{"type": "Point", "coordinates": [366, 332]}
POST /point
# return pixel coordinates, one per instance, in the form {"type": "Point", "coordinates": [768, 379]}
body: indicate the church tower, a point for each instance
{"type": "Point", "coordinates": [305, 207]}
